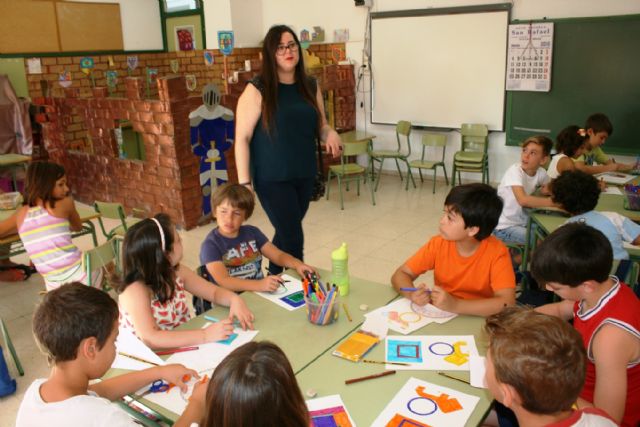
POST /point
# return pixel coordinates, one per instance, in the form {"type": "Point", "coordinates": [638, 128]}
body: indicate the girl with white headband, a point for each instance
{"type": "Point", "coordinates": [153, 288]}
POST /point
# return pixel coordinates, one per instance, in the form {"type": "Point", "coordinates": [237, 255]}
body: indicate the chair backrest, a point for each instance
{"type": "Point", "coordinates": [434, 140]}
{"type": "Point", "coordinates": [403, 132]}
{"type": "Point", "coordinates": [98, 258]}
{"type": "Point", "coordinates": [355, 148]}
{"type": "Point", "coordinates": [112, 211]}
{"type": "Point", "coordinates": [474, 137]}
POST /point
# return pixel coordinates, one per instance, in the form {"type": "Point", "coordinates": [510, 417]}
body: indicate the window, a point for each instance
{"type": "Point", "coordinates": [130, 145]}
{"type": "Point", "coordinates": [172, 6]}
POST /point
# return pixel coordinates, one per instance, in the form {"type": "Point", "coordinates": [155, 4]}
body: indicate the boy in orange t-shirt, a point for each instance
{"type": "Point", "coordinates": [472, 269]}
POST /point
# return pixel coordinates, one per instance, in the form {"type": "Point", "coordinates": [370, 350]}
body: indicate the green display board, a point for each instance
{"type": "Point", "coordinates": [596, 68]}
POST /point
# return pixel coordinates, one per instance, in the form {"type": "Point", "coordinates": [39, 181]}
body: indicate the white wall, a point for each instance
{"type": "Point", "coordinates": [141, 27]}
{"type": "Point", "coordinates": [217, 17]}
{"type": "Point", "coordinates": [246, 21]}
{"type": "Point", "coordinates": [332, 14]}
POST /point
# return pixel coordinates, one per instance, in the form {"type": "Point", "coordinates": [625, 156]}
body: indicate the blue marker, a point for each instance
{"type": "Point", "coordinates": [409, 289]}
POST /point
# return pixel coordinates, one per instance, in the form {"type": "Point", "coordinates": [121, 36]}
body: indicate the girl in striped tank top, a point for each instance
{"type": "Point", "coordinates": [45, 223]}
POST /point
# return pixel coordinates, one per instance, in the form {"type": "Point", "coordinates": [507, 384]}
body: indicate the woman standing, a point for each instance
{"type": "Point", "coordinates": [279, 116]}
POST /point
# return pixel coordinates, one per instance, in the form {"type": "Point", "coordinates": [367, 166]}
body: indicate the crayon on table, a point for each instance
{"type": "Point", "coordinates": [369, 377]}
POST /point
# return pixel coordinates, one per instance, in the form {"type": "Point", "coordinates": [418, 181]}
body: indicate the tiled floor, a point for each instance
{"type": "Point", "coordinates": [379, 238]}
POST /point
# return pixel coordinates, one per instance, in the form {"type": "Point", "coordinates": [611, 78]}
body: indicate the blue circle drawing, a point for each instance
{"type": "Point", "coordinates": [449, 348]}
{"type": "Point", "coordinates": [428, 411]}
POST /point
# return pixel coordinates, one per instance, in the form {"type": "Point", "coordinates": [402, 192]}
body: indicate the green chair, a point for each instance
{"type": "Point", "coordinates": [347, 172]}
{"type": "Point", "coordinates": [113, 211]}
{"type": "Point", "coordinates": [434, 140]}
{"type": "Point", "coordinates": [12, 350]}
{"type": "Point", "coordinates": [473, 156]}
{"type": "Point", "coordinates": [99, 258]}
{"type": "Point", "coordinates": [403, 134]}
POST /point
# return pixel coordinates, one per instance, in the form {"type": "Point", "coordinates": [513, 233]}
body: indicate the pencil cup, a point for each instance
{"type": "Point", "coordinates": [633, 200]}
{"type": "Point", "coordinates": [322, 313]}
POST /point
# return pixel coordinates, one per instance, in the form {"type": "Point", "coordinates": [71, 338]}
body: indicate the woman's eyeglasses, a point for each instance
{"type": "Point", "coordinates": [292, 46]}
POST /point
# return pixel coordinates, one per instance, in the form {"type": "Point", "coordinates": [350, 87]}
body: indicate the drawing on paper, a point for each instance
{"type": "Point", "coordinates": [404, 351]}
{"type": "Point", "coordinates": [402, 421]}
{"type": "Point", "coordinates": [452, 352]}
{"type": "Point", "coordinates": [403, 319]}
{"type": "Point", "coordinates": [295, 299]}
{"type": "Point", "coordinates": [419, 403]}
{"type": "Point", "coordinates": [330, 417]}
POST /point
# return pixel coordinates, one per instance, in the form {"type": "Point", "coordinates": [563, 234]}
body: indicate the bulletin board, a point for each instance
{"type": "Point", "coordinates": [28, 26]}
{"type": "Point", "coordinates": [48, 26]}
{"type": "Point", "coordinates": [89, 26]}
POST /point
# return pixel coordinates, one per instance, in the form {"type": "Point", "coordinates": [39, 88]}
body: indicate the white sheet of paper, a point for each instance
{"type": "Point", "coordinates": [328, 405]}
{"type": "Point", "coordinates": [430, 352]}
{"type": "Point", "coordinates": [612, 190]}
{"type": "Point", "coordinates": [293, 286]}
{"type": "Point", "coordinates": [377, 325]}
{"type": "Point", "coordinates": [429, 404]}
{"type": "Point", "coordinates": [204, 361]}
{"type": "Point", "coordinates": [618, 178]}
{"type": "Point", "coordinates": [403, 319]}
{"type": "Point", "coordinates": [128, 343]}
{"type": "Point", "coordinates": [34, 66]}
{"type": "Point", "coordinates": [477, 372]}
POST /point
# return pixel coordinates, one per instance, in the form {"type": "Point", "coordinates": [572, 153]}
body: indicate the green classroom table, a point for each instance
{"type": "Point", "coordinates": [365, 400]}
{"type": "Point", "coordinates": [301, 341]}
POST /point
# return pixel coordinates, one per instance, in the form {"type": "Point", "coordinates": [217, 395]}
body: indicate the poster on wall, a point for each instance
{"type": "Point", "coordinates": [185, 37]}
{"type": "Point", "coordinates": [529, 57]}
{"type": "Point", "coordinates": [225, 42]}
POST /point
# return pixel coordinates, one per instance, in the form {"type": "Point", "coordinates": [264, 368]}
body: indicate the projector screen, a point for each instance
{"type": "Point", "coordinates": [439, 70]}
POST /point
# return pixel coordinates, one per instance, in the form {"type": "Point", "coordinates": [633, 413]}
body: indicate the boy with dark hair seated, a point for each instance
{"type": "Point", "coordinates": [574, 262]}
{"type": "Point", "coordinates": [578, 193]}
{"type": "Point", "coordinates": [76, 326]}
{"type": "Point", "coordinates": [535, 366]}
{"type": "Point", "coordinates": [598, 129]}
{"type": "Point", "coordinates": [472, 269]}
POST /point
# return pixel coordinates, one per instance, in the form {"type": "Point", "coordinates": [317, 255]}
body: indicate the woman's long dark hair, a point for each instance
{"type": "Point", "coordinates": [145, 260]}
{"type": "Point", "coordinates": [270, 80]}
{"type": "Point", "coordinates": [40, 182]}
{"type": "Point", "coordinates": [254, 386]}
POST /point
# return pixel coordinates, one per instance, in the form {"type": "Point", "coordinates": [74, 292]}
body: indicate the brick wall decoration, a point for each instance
{"type": "Point", "coordinates": [79, 122]}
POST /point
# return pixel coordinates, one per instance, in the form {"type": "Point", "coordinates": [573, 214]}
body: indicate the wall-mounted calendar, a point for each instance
{"type": "Point", "coordinates": [529, 57]}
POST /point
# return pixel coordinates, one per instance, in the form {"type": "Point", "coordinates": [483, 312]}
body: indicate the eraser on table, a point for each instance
{"type": "Point", "coordinates": [311, 392]}
{"type": "Point", "coordinates": [364, 307]}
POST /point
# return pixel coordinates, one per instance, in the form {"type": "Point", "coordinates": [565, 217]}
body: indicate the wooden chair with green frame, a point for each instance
{"type": "Point", "coordinates": [431, 140]}
{"type": "Point", "coordinates": [403, 133]}
{"type": "Point", "coordinates": [473, 156]}
{"type": "Point", "coordinates": [101, 257]}
{"type": "Point", "coordinates": [347, 172]}
{"type": "Point", "coordinates": [113, 211]}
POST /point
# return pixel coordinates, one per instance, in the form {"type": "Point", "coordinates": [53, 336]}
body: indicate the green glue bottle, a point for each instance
{"type": "Point", "coordinates": [340, 269]}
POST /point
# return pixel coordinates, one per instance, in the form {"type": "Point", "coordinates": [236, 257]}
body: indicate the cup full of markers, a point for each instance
{"type": "Point", "coordinates": [633, 197]}
{"type": "Point", "coordinates": [321, 300]}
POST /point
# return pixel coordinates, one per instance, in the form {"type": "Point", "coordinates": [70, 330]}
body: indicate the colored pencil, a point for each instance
{"type": "Point", "coordinates": [211, 318]}
{"type": "Point", "coordinates": [409, 289]}
{"type": "Point", "coordinates": [175, 350]}
{"type": "Point", "coordinates": [454, 378]}
{"type": "Point", "coordinates": [369, 377]}
{"type": "Point", "coordinates": [382, 362]}
{"type": "Point", "coordinates": [139, 359]}
{"type": "Point", "coordinates": [347, 312]}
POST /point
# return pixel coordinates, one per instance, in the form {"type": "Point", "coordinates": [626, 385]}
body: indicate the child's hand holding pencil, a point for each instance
{"type": "Point", "coordinates": [420, 295]}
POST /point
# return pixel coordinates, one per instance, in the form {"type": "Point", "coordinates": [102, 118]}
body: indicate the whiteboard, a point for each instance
{"type": "Point", "coordinates": [439, 70]}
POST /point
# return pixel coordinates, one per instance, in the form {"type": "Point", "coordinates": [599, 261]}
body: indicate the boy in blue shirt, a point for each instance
{"type": "Point", "coordinates": [578, 193]}
{"type": "Point", "coordinates": [232, 252]}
